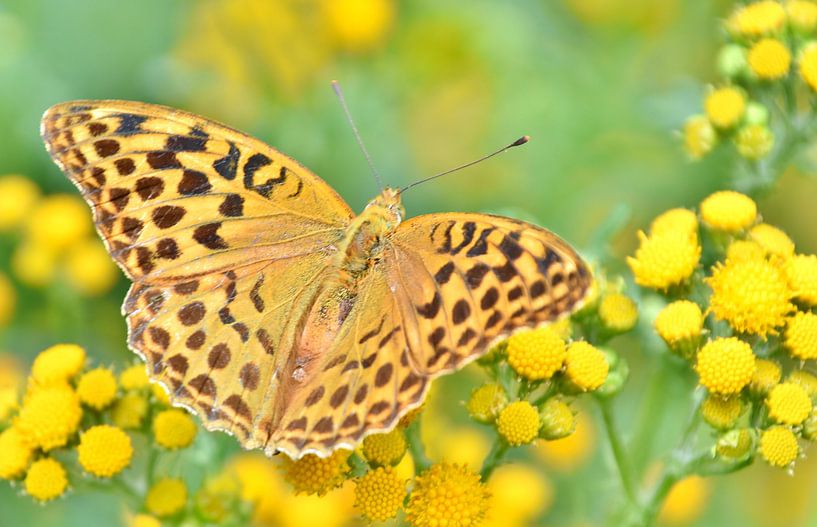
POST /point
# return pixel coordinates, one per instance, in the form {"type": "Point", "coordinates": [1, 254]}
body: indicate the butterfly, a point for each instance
{"type": "Point", "coordinates": [262, 303]}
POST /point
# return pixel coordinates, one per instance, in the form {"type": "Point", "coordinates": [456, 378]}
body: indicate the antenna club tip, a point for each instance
{"type": "Point", "coordinates": [521, 141]}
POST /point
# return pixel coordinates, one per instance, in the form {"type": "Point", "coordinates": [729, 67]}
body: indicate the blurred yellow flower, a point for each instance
{"type": "Point", "coordinates": [447, 494]}
{"type": "Point", "coordinates": [518, 423]}
{"type": "Point", "coordinates": [800, 337]}
{"type": "Point", "coordinates": [58, 363]}
{"type": "Point", "coordinates": [359, 25]}
{"type": "Point", "coordinates": [680, 325]}
{"type": "Point", "coordinates": [585, 366]}
{"type": "Point", "coordinates": [261, 485]}
{"type": "Point", "coordinates": [46, 479]}
{"type": "Point", "coordinates": [721, 412]}
{"type": "Point", "coordinates": [802, 15]}
{"type": "Point", "coordinates": [104, 450]}
{"type": "Point", "coordinates": [49, 416]}
{"type": "Point", "coordinates": [801, 272]}
{"type": "Point", "coordinates": [166, 497]}
{"type": "Point", "coordinates": [686, 501]}
{"type": "Point", "coordinates": [536, 354]}
{"type": "Point", "coordinates": [767, 375]}
{"type": "Point", "coordinates": [379, 494]}
{"type": "Point", "coordinates": [519, 495]}
{"type": "Point", "coordinates": [675, 220]}
{"type": "Point", "coordinates": [618, 312]}
{"type": "Point", "coordinates": [335, 509]}
{"type": "Point", "coordinates": [754, 141]}
{"type": "Point", "coordinates": [788, 404]}
{"type": "Point", "coordinates": [160, 394]}
{"type": "Point", "coordinates": [664, 260]}
{"type": "Point", "coordinates": [10, 381]}
{"type": "Point", "coordinates": [174, 428]}
{"type": "Point", "coordinates": [725, 365]}
{"type": "Point", "coordinates": [218, 497]}
{"type": "Point", "coordinates": [744, 250]}
{"type": "Point", "coordinates": [90, 268]}
{"type": "Point", "coordinates": [558, 420]}
{"type": "Point", "coordinates": [144, 520]}
{"type": "Point", "coordinates": [8, 299]}
{"type": "Point", "coordinates": [486, 402]}
{"type": "Point", "coordinates": [725, 106]}
{"type": "Point", "coordinates": [315, 475]}
{"type": "Point", "coordinates": [15, 454]}
{"type": "Point", "coordinates": [59, 221]}
{"type": "Point", "coordinates": [699, 136]}
{"type": "Point", "coordinates": [130, 411]}
{"type": "Point", "coordinates": [18, 195]}
{"type": "Point", "coordinates": [34, 264]}
{"type": "Point", "coordinates": [97, 388]}
{"type": "Point", "coordinates": [728, 211]}
{"type": "Point", "coordinates": [134, 377]}
{"type": "Point", "coordinates": [769, 59]}
{"type": "Point", "coordinates": [757, 19]}
{"type": "Point", "coordinates": [778, 446]}
{"type": "Point", "coordinates": [570, 452]}
{"type": "Point", "coordinates": [385, 449]}
{"type": "Point", "coordinates": [456, 444]}
{"type": "Point", "coordinates": [808, 66]}
{"type": "Point", "coordinates": [805, 380]}
{"type": "Point", "coordinates": [773, 240]}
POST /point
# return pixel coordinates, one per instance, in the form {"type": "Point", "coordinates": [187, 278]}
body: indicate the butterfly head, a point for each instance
{"type": "Point", "coordinates": [388, 206]}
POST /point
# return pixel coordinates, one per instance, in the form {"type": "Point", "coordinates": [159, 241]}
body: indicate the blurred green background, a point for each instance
{"type": "Point", "coordinates": [601, 86]}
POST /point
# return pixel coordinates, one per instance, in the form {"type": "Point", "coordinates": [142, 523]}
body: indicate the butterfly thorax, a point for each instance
{"type": "Point", "coordinates": [363, 244]}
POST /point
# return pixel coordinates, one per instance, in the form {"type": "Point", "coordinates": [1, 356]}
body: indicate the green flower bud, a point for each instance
{"type": "Point", "coordinates": [558, 420]}
{"type": "Point", "coordinates": [732, 61]}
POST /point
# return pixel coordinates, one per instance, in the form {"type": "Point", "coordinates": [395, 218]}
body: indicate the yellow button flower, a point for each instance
{"type": "Point", "coordinates": [17, 197]}
{"type": "Point", "coordinates": [801, 336]}
{"type": "Point", "coordinates": [160, 394]}
{"type": "Point", "coordinates": [58, 363]}
{"type": "Point", "coordinates": [385, 449]}
{"type": "Point", "coordinates": [767, 375]}
{"type": "Point", "coordinates": [520, 494]}
{"type": "Point", "coordinates": [753, 296]}
{"type": "Point", "coordinates": [725, 106]}
{"type": "Point", "coordinates": [8, 299]}
{"type": "Point", "coordinates": [34, 264]}
{"type": "Point", "coordinates": [379, 494]}
{"type": "Point", "coordinates": [174, 428]}
{"type": "Point", "coordinates": [725, 365]}
{"type": "Point", "coordinates": [754, 141]}
{"type": "Point", "coordinates": [686, 501]}
{"type": "Point", "coordinates": [166, 497]}
{"type": "Point", "coordinates": [735, 444]}
{"type": "Point", "coordinates": [802, 15]}
{"type": "Point", "coordinates": [728, 211]}
{"type": "Point", "coordinates": [144, 520]}
{"type": "Point", "coordinates": [757, 19]}
{"type": "Point", "coordinates": [618, 312]}
{"type": "Point", "coordinates": [359, 24]}
{"type": "Point", "coordinates": [518, 423]}
{"type": "Point", "coordinates": [130, 411]}
{"type": "Point", "coordinates": [134, 377]}
{"type": "Point", "coordinates": [773, 240]}
{"type": "Point", "coordinates": [536, 354]}
{"type": "Point", "coordinates": [778, 446]}
{"type": "Point", "coordinates": [675, 220]}
{"type": "Point", "coordinates": [808, 66]}
{"type": "Point", "coordinates": [49, 416]}
{"type": "Point", "coordinates": [788, 404]}
{"type": "Point", "coordinates": [486, 402]}
{"type": "Point", "coordinates": [59, 221]}
{"type": "Point", "coordinates": [104, 450]}
{"type": "Point", "coordinates": [15, 454]}
{"type": "Point", "coordinates": [585, 366]}
{"type": "Point", "coordinates": [699, 136]}
{"type": "Point", "coordinates": [680, 325]}
{"type": "Point", "coordinates": [89, 268]}
{"type": "Point", "coordinates": [801, 272]}
{"type": "Point", "coordinates": [664, 260]}
{"type": "Point", "coordinates": [97, 388]}
{"type": "Point", "coordinates": [721, 412]}
{"type": "Point", "coordinates": [558, 420]}
{"type": "Point", "coordinates": [448, 495]}
{"type": "Point", "coordinates": [805, 380]}
{"type": "Point", "coordinates": [769, 59]}
{"type": "Point", "coordinates": [744, 250]}
{"type": "Point", "coordinates": [46, 479]}
{"type": "Point", "coordinates": [315, 475]}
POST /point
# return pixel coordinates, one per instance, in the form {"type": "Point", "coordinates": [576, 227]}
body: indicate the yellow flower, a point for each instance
{"type": "Point", "coordinates": [104, 450]}
{"type": "Point", "coordinates": [359, 24]}
{"type": "Point", "coordinates": [568, 453]}
{"type": "Point", "coordinates": [725, 365]}
{"type": "Point", "coordinates": [518, 423]}
{"type": "Point", "coordinates": [486, 402]}
{"type": "Point", "coordinates": [134, 377]}
{"type": "Point", "coordinates": [757, 19]}
{"type": "Point", "coordinates": [769, 59]}
{"type": "Point", "coordinates": [801, 271]}
{"type": "Point", "coordinates": [174, 428]}
{"type": "Point", "coordinates": [788, 404]}
{"type": "Point", "coordinates": [216, 500]}
{"type": "Point", "coordinates": [805, 380]}
{"type": "Point", "coordinates": [721, 412]}
{"type": "Point", "coordinates": [130, 411]}
{"type": "Point", "coordinates": [261, 485]}
{"type": "Point", "coordinates": [728, 211]}
{"type": "Point", "coordinates": [680, 325]}
{"type": "Point", "coordinates": [8, 299]}
{"type": "Point", "coordinates": [519, 495]}
{"type": "Point", "coordinates": [744, 250]}
{"type": "Point", "coordinates": [675, 220]}
{"type": "Point", "coordinates": [34, 264]}
{"type": "Point", "coordinates": [802, 15]}
{"type": "Point", "coordinates": [59, 221]}
{"type": "Point", "coordinates": [97, 388]}
{"type": "Point", "coordinates": [773, 240]}
{"type": "Point", "coordinates": [686, 501]}
{"type": "Point", "coordinates": [778, 446]}
{"type": "Point", "coordinates": [315, 475]}
{"type": "Point", "coordinates": [144, 520]}
{"type": "Point", "coordinates": [385, 449]}
{"type": "Point", "coordinates": [58, 363]}
{"type": "Point", "coordinates": [699, 136]}
{"type": "Point", "coordinates": [754, 141]}
{"type": "Point", "coordinates": [166, 497]}
{"type": "Point", "coordinates": [808, 66]}
{"type": "Point", "coordinates": [160, 394]}
{"type": "Point", "coordinates": [753, 296]}
{"type": "Point", "coordinates": [46, 479]}
{"type": "Point", "coordinates": [618, 312]}
{"type": "Point", "coordinates": [536, 354]}
{"type": "Point", "coordinates": [558, 420]}
{"type": "Point", "coordinates": [725, 106]}
{"type": "Point", "coordinates": [379, 494]}
{"type": "Point", "coordinates": [17, 197]}
{"type": "Point", "coordinates": [89, 268]}
{"type": "Point", "coordinates": [801, 336]}
{"type": "Point", "coordinates": [735, 444]}
{"type": "Point", "coordinates": [448, 495]}
{"type": "Point", "coordinates": [767, 375]}
{"type": "Point", "coordinates": [49, 416]}
{"type": "Point", "coordinates": [585, 366]}
{"type": "Point", "coordinates": [664, 260]}
{"type": "Point", "coordinates": [15, 454]}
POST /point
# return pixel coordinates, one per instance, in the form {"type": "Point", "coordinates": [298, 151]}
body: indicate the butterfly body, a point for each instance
{"type": "Point", "coordinates": [264, 305]}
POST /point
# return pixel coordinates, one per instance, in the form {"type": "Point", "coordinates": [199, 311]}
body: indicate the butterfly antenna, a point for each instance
{"type": "Point", "coordinates": [519, 142]}
{"type": "Point", "coordinates": [342, 99]}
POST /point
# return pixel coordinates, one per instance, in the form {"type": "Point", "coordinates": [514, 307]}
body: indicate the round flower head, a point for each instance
{"type": "Point", "coordinates": [379, 494]}
{"type": "Point", "coordinates": [699, 136]}
{"type": "Point", "coordinates": [778, 446]}
{"type": "Point", "coordinates": [130, 411]}
{"type": "Point", "coordinates": [788, 404]}
{"type": "Point", "coordinates": [753, 296]}
{"type": "Point", "coordinates": [385, 449]}
{"type": "Point", "coordinates": [757, 19]}
{"type": "Point", "coordinates": [486, 402]}
{"type": "Point", "coordinates": [134, 377]}
{"type": "Point", "coordinates": [58, 363]}
{"type": "Point", "coordinates": [449, 495]}
{"type": "Point", "coordinates": [89, 268]}
{"type": "Point", "coordinates": [725, 365]}
{"type": "Point", "coordinates": [725, 106]}
{"type": "Point", "coordinates": [754, 141]}
{"type": "Point", "coordinates": [558, 420]}
{"type": "Point", "coordinates": [536, 354]}
{"type": "Point", "coordinates": [769, 59]}
{"type": "Point", "coordinates": [97, 388]}
{"type": "Point", "coordinates": [675, 220]}
{"type": "Point", "coordinates": [160, 394]}
{"type": "Point", "coordinates": [735, 444]}
{"type": "Point", "coordinates": [721, 412]}
{"type": "Point", "coordinates": [49, 416]}
{"type": "Point", "coordinates": [15, 454]}
{"type": "Point", "coordinates": [805, 380]}
{"type": "Point", "coordinates": [767, 375]}
{"type": "Point", "coordinates": [618, 312]}
{"type": "Point", "coordinates": [104, 450]}
{"type": "Point", "coordinates": [144, 520]}
{"type": "Point", "coordinates": [315, 475]}
{"type": "Point", "coordinates": [586, 366]}
{"type": "Point", "coordinates": [174, 428]}
{"type": "Point", "coordinates": [664, 260]}
{"type": "Point", "coordinates": [59, 221]}
{"type": "Point", "coordinates": [808, 66]}
{"type": "Point", "coordinates": [518, 423]}
{"type": "Point", "coordinates": [728, 211]}
{"type": "Point", "coordinates": [801, 336]}
{"type": "Point", "coordinates": [801, 272]}
{"type": "Point", "coordinates": [359, 25]}
{"type": "Point", "coordinates": [680, 325]}
{"type": "Point", "coordinates": [744, 250]}
{"type": "Point", "coordinates": [773, 240]}
{"type": "Point", "coordinates": [802, 15]}
{"type": "Point", "coordinates": [18, 195]}
{"type": "Point", "coordinates": [34, 264]}
{"type": "Point", "coordinates": [685, 501]}
{"type": "Point", "coordinates": [46, 479]}
{"type": "Point", "coordinates": [166, 497]}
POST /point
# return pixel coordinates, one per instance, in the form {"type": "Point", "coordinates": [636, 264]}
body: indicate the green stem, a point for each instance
{"type": "Point", "coordinates": [494, 458]}
{"type": "Point", "coordinates": [642, 441]}
{"type": "Point", "coordinates": [617, 447]}
{"type": "Point", "coordinates": [415, 446]}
